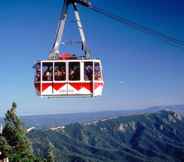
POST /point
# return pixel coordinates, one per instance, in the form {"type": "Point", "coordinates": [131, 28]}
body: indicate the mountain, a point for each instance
{"type": "Point", "coordinates": [174, 108]}
{"type": "Point", "coordinates": [148, 137]}
{"type": "Point", "coordinates": [57, 120]}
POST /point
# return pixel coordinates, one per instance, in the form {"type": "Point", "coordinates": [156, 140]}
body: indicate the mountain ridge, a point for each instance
{"type": "Point", "coordinates": [149, 137]}
{"type": "Point", "coordinates": [57, 120]}
{"type": "Point", "coordinates": [47, 121]}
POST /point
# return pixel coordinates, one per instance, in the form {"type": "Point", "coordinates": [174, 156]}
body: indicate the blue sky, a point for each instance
{"type": "Point", "coordinates": [140, 70]}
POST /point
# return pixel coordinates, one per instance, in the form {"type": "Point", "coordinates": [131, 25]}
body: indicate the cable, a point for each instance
{"type": "Point", "coordinates": [170, 40]}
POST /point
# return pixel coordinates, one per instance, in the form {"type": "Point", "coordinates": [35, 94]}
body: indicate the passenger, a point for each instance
{"type": "Point", "coordinates": [62, 73]}
{"type": "Point", "coordinates": [48, 74]}
{"type": "Point", "coordinates": [97, 72]}
{"type": "Point", "coordinates": [76, 73]}
{"type": "Point", "coordinates": [37, 76]}
{"type": "Point", "coordinates": [88, 72]}
{"type": "Point", "coordinates": [56, 73]}
{"type": "Point", "coordinates": [38, 67]}
{"type": "Point", "coordinates": [72, 73]}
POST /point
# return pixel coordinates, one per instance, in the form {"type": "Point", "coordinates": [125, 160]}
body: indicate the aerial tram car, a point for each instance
{"type": "Point", "coordinates": [65, 74]}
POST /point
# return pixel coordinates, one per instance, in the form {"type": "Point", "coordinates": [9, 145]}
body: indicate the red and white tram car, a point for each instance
{"type": "Point", "coordinates": [69, 77]}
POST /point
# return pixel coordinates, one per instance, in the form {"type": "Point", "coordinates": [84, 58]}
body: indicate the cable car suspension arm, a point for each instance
{"type": "Point", "coordinates": [59, 34]}
{"type": "Point", "coordinates": [81, 31]}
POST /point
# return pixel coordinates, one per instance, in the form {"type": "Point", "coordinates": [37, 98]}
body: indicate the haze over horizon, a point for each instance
{"type": "Point", "coordinates": [140, 70]}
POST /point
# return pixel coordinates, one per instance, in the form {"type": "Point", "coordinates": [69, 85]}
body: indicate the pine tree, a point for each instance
{"type": "Point", "coordinates": [5, 148]}
{"type": "Point", "coordinates": [15, 135]}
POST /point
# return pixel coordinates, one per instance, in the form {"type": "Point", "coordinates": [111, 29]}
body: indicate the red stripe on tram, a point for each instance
{"type": "Point", "coordinates": [96, 85]}
{"type": "Point", "coordinates": [57, 86]}
{"type": "Point", "coordinates": [87, 86]}
{"type": "Point", "coordinates": [79, 86]}
{"type": "Point", "coordinates": [45, 86]}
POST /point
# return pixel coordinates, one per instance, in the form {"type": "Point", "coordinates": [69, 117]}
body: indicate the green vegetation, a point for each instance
{"type": "Point", "coordinates": [14, 143]}
{"type": "Point", "coordinates": [15, 135]}
{"type": "Point", "coordinates": [50, 155]}
{"type": "Point", "coordinates": [157, 137]}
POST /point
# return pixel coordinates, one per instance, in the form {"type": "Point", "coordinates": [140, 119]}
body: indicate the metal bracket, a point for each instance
{"type": "Point", "coordinates": [54, 54]}
{"type": "Point", "coordinates": [81, 31]}
{"type": "Point", "coordinates": [59, 34]}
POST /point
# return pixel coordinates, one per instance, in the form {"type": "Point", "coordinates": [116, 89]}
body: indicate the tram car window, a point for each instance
{"type": "Point", "coordinates": [74, 71]}
{"type": "Point", "coordinates": [88, 71]}
{"type": "Point", "coordinates": [60, 71]}
{"type": "Point", "coordinates": [38, 72]}
{"type": "Point", "coordinates": [98, 75]}
{"type": "Point", "coordinates": [47, 71]}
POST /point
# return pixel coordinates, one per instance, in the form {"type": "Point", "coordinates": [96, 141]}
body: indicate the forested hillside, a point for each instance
{"type": "Point", "coordinates": [155, 137]}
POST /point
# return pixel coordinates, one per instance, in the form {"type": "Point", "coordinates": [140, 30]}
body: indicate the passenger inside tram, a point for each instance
{"type": "Point", "coordinates": [88, 71]}
{"type": "Point", "coordinates": [47, 72]}
{"type": "Point", "coordinates": [97, 72]}
{"type": "Point", "coordinates": [60, 72]}
{"type": "Point", "coordinates": [38, 72]}
{"type": "Point", "coordinates": [74, 71]}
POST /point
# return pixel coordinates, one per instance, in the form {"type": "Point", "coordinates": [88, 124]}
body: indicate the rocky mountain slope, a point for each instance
{"type": "Point", "coordinates": [155, 137]}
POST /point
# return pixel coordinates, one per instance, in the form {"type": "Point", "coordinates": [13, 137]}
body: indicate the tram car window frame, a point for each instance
{"type": "Point", "coordinates": [88, 70]}
{"type": "Point", "coordinates": [97, 71]}
{"type": "Point", "coordinates": [37, 77]}
{"type": "Point", "coordinates": [61, 71]}
{"type": "Point", "coordinates": [47, 71]}
{"type": "Point", "coordinates": [74, 71]}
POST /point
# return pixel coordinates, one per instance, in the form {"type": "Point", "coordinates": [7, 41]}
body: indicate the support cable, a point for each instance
{"type": "Point", "coordinates": [139, 27]}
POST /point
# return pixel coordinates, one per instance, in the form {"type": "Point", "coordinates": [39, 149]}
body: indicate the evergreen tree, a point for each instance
{"type": "Point", "coordinates": [15, 135]}
{"type": "Point", "coordinates": [5, 148]}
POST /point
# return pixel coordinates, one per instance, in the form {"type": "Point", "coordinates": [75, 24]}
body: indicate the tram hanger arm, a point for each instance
{"type": "Point", "coordinates": [85, 3]}
{"type": "Point", "coordinates": [59, 34]}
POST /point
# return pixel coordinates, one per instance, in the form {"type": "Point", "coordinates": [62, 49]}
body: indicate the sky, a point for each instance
{"type": "Point", "coordinates": [139, 70]}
